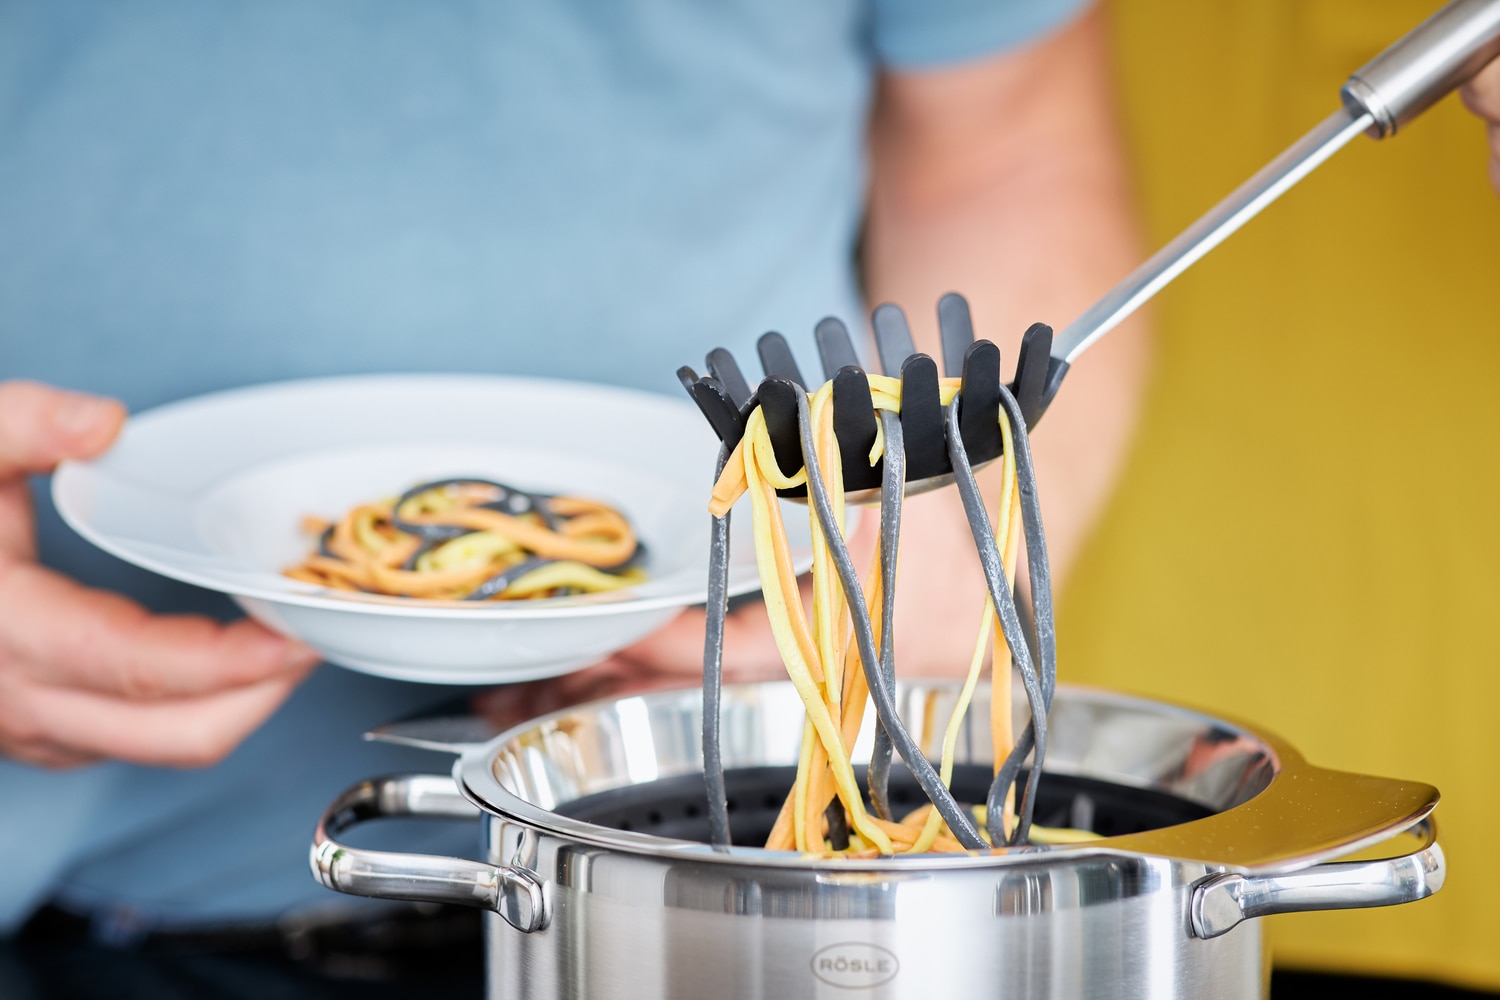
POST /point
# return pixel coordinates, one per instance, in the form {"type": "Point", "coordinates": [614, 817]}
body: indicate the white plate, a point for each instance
{"type": "Point", "coordinates": [211, 491]}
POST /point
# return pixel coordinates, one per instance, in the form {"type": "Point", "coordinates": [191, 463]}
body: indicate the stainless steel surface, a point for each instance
{"type": "Point", "coordinates": [1403, 81]}
{"type": "Point", "coordinates": [443, 733]}
{"type": "Point", "coordinates": [1435, 58]}
{"type": "Point", "coordinates": [629, 915]}
{"type": "Point", "coordinates": [1268, 184]}
{"type": "Point", "coordinates": [633, 927]}
{"type": "Point", "coordinates": [1220, 902]}
{"type": "Point", "coordinates": [1273, 810]}
{"type": "Point", "coordinates": [514, 893]}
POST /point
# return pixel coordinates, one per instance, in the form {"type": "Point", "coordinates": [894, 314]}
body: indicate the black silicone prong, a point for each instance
{"type": "Point", "coordinates": [776, 358]}
{"type": "Point", "coordinates": [835, 349]}
{"type": "Point", "coordinates": [892, 338]}
{"type": "Point", "coordinates": [979, 402]}
{"type": "Point", "coordinates": [778, 401]}
{"type": "Point", "coordinates": [722, 366]}
{"type": "Point", "coordinates": [687, 377]}
{"type": "Point", "coordinates": [957, 330]}
{"type": "Point", "coordinates": [854, 425]}
{"type": "Point", "coordinates": [715, 404]}
{"type": "Point", "coordinates": [1030, 384]}
{"type": "Point", "coordinates": [922, 419]}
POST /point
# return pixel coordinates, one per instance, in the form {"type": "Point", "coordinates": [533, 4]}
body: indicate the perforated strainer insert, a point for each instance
{"type": "Point", "coordinates": [675, 807]}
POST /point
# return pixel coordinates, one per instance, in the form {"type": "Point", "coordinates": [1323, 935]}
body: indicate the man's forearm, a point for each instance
{"type": "Point", "coordinates": [1004, 180]}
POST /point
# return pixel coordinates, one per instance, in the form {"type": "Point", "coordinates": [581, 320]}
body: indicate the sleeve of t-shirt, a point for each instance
{"type": "Point", "coordinates": [913, 34]}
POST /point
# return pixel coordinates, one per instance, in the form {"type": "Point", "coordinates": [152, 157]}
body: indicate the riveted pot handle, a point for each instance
{"type": "Point", "coordinates": [1221, 901]}
{"type": "Point", "coordinates": [514, 893]}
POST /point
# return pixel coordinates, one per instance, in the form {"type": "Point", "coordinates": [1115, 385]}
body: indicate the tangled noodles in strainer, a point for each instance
{"type": "Point", "coordinates": [825, 812]}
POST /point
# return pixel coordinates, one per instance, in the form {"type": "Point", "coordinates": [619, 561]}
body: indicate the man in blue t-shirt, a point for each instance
{"type": "Point", "coordinates": [198, 196]}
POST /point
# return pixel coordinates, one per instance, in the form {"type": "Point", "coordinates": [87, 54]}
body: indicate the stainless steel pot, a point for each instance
{"type": "Point", "coordinates": [584, 909]}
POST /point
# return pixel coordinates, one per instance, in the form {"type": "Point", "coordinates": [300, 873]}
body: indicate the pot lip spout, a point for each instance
{"type": "Point", "coordinates": [1302, 816]}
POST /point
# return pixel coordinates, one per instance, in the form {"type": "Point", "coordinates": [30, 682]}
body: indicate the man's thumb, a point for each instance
{"type": "Point", "coordinates": [40, 426]}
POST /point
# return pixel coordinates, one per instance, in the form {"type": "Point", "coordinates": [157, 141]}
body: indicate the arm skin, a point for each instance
{"type": "Point", "coordinates": [1002, 179]}
{"type": "Point", "coordinates": [1482, 95]}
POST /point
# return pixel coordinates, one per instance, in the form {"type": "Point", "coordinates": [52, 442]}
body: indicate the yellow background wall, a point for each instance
{"type": "Point", "coordinates": [1308, 535]}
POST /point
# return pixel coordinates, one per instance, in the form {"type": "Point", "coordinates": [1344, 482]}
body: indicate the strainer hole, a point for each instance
{"type": "Point", "coordinates": [653, 818]}
{"type": "Point", "coordinates": [690, 811]}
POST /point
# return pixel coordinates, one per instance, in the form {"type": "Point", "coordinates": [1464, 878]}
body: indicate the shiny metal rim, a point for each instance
{"type": "Point", "coordinates": [1397, 807]}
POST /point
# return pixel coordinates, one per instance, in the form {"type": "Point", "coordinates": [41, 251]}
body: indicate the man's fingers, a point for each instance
{"type": "Point", "coordinates": [1482, 96]}
{"type": "Point", "coordinates": [675, 648]}
{"type": "Point", "coordinates": [1482, 93]}
{"type": "Point", "coordinates": [750, 652]}
{"type": "Point", "coordinates": [86, 674]}
{"type": "Point", "coordinates": [49, 756]}
{"type": "Point", "coordinates": [17, 538]}
{"type": "Point", "coordinates": [64, 725]}
{"type": "Point", "coordinates": [511, 704]}
{"type": "Point", "coordinates": [1494, 131]}
{"type": "Point", "coordinates": [40, 426]}
{"type": "Point", "coordinates": [66, 635]}
{"type": "Point", "coordinates": [670, 657]}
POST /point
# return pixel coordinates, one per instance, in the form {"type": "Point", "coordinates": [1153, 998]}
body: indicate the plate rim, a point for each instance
{"type": "Point", "coordinates": [591, 605]}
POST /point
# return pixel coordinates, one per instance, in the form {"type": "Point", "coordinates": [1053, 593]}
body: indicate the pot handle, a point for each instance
{"type": "Point", "coordinates": [1221, 901]}
{"type": "Point", "coordinates": [514, 893]}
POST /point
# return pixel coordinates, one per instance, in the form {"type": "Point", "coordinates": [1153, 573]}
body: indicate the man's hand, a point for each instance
{"type": "Point", "coordinates": [86, 674]}
{"type": "Point", "coordinates": [1482, 95]}
{"type": "Point", "coordinates": [670, 657]}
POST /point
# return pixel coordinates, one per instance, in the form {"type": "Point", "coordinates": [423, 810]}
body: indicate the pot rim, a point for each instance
{"type": "Point", "coordinates": [1305, 815]}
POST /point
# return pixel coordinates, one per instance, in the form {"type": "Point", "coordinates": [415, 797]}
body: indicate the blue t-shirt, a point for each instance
{"type": "Point", "coordinates": [198, 196]}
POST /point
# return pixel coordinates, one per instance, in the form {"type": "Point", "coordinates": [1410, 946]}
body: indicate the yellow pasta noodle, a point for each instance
{"type": "Point", "coordinates": [823, 662]}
